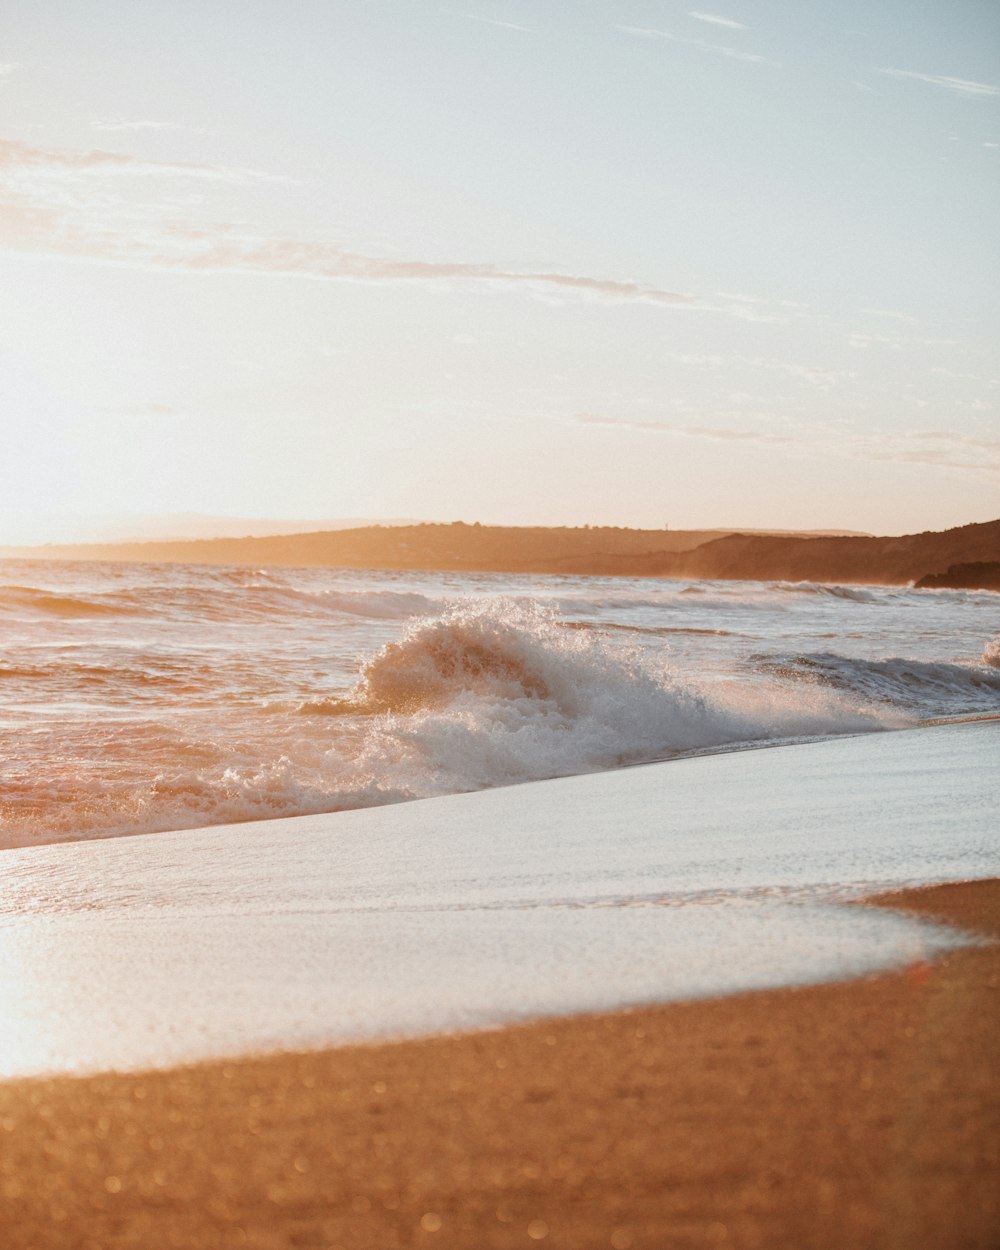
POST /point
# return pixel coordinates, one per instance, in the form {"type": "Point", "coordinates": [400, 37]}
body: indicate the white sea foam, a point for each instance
{"type": "Point", "coordinates": [490, 694]}
{"type": "Point", "coordinates": [195, 696]}
{"type": "Point", "coordinates": [587, 894]}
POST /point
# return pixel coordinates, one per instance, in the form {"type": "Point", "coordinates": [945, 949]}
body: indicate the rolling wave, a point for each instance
{"type": "Point", "coordinates": [46, 603]}
{"type": "Point", "coordinates": [854, 594]}
{"type": "Point", "coordinates": [235, 694]}
{"type": "Point", "coordinates": [916, 686]}
{"type": "Point", "coordinates": [228, 599]}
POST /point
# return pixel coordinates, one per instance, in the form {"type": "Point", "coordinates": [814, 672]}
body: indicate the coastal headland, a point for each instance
{"type": "Point", "coordinates": [604, 551]}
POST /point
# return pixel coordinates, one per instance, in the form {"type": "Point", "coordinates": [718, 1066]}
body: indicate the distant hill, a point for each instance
{"type": "Point", "coordinates": [482, 548]}
{"type": "Point", "coordinates": [599, 550]}
{"type": "Point", "coordinates": [892, 561]}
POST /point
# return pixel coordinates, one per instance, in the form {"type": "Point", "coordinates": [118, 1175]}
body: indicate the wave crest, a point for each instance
{"type": "Point", "coordinates": [483, 652]}
{"type": "Point", "coordinates": [916, 686]}
{"type": "Point", "coordinates": [497, 693]}
{"type": "Point", "coordinates": [45, 602]}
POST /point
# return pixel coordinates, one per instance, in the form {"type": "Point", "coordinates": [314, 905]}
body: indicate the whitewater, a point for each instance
{"type": "Point", "coordinates": [145, 698]}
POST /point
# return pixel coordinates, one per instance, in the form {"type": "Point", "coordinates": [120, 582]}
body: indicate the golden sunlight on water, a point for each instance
{"type": "Point", "coordinates": [146, 697]}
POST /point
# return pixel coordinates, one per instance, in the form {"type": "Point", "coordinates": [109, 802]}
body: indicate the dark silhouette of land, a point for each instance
{"type": "Point", "coordinates": [911, 558]}
{"type": "Point", "coordinates": [982, 576]}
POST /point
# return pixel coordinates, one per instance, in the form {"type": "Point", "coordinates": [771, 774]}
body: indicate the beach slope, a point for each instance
{"type": "Point", "coordinates": [860, 1114]}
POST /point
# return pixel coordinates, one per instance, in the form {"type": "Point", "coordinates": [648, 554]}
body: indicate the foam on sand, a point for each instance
{"type": "Point", "coordinates": [698, 877]}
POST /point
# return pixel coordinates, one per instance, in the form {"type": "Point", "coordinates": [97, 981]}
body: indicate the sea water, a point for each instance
{"type": "Point", "coordinates": [141, 698]}
{"type": "Point", "coordinates": [696, 877]}
{"type": "Point", "coordinates": [156, 700]}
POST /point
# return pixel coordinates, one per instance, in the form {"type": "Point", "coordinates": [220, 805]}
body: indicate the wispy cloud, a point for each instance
{"type": "Point", "coordinates": [754, 307]}
{"type": "Point", "coordinates": [939, 449]}
{"type": "Point", "coordinates": [863, 341]}
{"type": "Point", "coordinates": [960, 86]}
{"type": "Point", "coordinates": [942, 449]}
{"type": "Point", "coordinates": [715, 20]}
{"type": "Point", "coordinates": [72, 204]}
{"type": "Point", "coordinates": [736, 54]}
{"type": "Point", "coordinates": [7, 68]}
{"type": "Point", "coordinates": [113, 124]}
{"type": "Point", "coordinates": [724, 434]}
{"type": "Point", "coordinates": [20, 159]}
{"type": "Point", "coordinates": [816, 375]}
{"type": "Point", "coordinates": [493, 21]}
{"type": "Point", "coordinates": [952, 373]}
{"type": "Point", "coordinates": [323, 260]}
{"type": "Point", "coordinates": [888, 313]}
{"type": "Point", "coordinates": [107, 207]}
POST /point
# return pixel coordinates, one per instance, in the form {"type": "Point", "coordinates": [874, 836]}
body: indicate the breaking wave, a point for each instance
{"type": "Point", "coordinates": [235, 695]}
{"type": "Point", "coordinates": [497, 693]}
{"type": "Point", "coordinates": [917, 686]}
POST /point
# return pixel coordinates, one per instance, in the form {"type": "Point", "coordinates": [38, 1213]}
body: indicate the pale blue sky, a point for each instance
{"type": "Point", "coordinates": [607, 261]}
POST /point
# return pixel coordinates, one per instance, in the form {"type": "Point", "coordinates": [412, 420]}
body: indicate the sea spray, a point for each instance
{"type": "Point", "coordinates": [495, 693]}
{"type": "Point", "coordinates": [137, 698]}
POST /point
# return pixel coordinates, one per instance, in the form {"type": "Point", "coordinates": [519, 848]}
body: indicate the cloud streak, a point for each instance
{"type": "Point", "coordinates": [20, 158]}
{"type": "Point", "coordinates": [940, 449]}
{"type": "Point", "coordinates": [113, 125]}
{"type": "Point", "coordinates": [817, 375]}
{"type": "Point", "coordinates": [64, 203]}
{"type": "Point", "coordinates": [735, 54]}
{"type": "Point", "coordinates": [717, 433]}
{"type": "Point", "coordinates": [715, 20]}
{"type": "Point", "coordinates": [492, 21]}
{"type": "Point", "coordinates": [960, 86]}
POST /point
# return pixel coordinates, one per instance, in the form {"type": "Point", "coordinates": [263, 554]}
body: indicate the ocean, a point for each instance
{"type": "Point", "coordinates": [140, 698]}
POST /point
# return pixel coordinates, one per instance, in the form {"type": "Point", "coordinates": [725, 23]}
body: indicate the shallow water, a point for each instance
{"type": "Point", "coordinates": [141, 698]}
{"type": "Point", "coordinates": [696, 877]}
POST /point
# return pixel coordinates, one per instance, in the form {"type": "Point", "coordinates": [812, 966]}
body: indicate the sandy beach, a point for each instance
{"type": "Point", "coordinates": [499, 633]}
{"type": "Point", "coordinates": [857, 1114]}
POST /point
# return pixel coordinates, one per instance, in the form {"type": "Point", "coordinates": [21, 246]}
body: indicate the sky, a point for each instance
{"type": "Point", "coordinates": [517, 261]}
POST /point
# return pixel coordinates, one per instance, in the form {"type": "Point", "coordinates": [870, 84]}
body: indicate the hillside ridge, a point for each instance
{"type": "Point", "coordinates": [605, 550]}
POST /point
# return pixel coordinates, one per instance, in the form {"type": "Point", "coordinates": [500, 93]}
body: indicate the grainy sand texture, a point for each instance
{"type": "Point", "coordinates": [842, 1116]}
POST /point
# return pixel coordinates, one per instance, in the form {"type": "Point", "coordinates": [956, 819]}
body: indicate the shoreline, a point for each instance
{"type": "Point", "coordinates": [559, 898]}
{"type": "Point", "coordinates": [693, 753]}
{"type": "Point", "coordinates": [852, 1113]}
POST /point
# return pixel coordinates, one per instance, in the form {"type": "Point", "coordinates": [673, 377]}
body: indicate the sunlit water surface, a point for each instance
{"type": "Point", "coordinates": [697, 877]}
{"type": "Point", "coordinates": [139, 698]}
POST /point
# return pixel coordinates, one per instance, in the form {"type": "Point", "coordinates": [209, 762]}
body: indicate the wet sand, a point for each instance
{"type": "Point", "coordinates": [850, 1115]}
